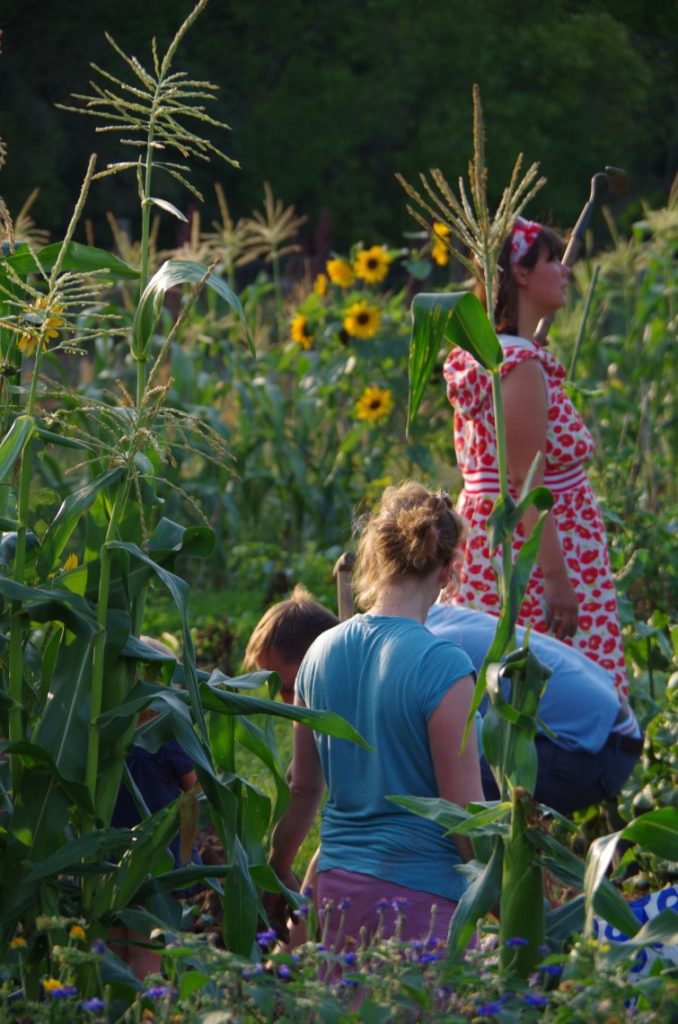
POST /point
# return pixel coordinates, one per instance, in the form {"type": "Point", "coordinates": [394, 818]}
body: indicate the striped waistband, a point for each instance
{"type": "Point", "coordinates": [486, 481]}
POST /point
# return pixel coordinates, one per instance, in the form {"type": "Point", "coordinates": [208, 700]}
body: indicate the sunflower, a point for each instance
{"type": "Point", "coordinates": [372, 265]}
{"type": "Point", "coordinates": [340, 272]}
{"type": "Point", "coordinates": [298, 331]}
{"type": "Point", "coordinates": [362, 320]}
{"type": "Point", "coordinates": [320, 285]}
{"type": "Point", "coordinates": [47, 326]}
{"type": "Point", "coordinates": [440, 252]}
{"type": "Point", "coordinates": [374, 404]}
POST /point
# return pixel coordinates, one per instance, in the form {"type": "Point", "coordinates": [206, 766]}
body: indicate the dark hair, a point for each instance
{"type": "Point", "coordinates": [506, 302]}
{"type": "Point", "coordinates": [411, 532]}
{"type": "Point", "coordinates": [289, 627]}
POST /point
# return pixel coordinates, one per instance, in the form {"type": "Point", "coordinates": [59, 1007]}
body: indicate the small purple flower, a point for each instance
{"type": "Point", "coordinates": [428, 958]}
{"type": "Point", "coordinates": [553, 969]}
{"type": "Point", "coordinates": [65, 992]}
{"type": "Point", "coordinates": [307, 891]}
{"type": "Point", "coordinates": [158, 991]}
{"type": "Point", "coordinates": [267, 938]}
{"type": "Point", "coordinates": [399, 906]}
{"type": "Point", "coordinates": [344, 905]}
{"type": "Point", "coordinates": [93, 1005]}
{"type": "Point", "coordinates": [382, 905]}
{"type": "Point", "coordinates": [320, 948]}
{"type": "Point", "coordinates": [534, 1000]}
{"type": "Point", "coordinates": [516, 941]}
{"type": "Point", "coordinates": [284, 972]}
{"type": "Point", "coordinates": [489, 1009]}
{"type": "Point", "coordinates": [348, 983]}
{"type": "Point", "coordinates": [303, 911]}
{"type": "Point", "coordinates": [350, 958]}
{"type": "Point", "coordinates": [256, 969]}
{"type": "Point", "coordinates": [98, 946]}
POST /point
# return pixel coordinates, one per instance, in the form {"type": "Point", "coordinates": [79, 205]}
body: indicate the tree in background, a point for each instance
{"type": "Point", "coordinates": [327, 101]}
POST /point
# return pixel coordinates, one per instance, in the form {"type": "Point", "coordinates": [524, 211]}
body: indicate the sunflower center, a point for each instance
{"type": "Point", "coordinates": [372, 263]}
{"type": "Point", "coordinates": [363, 318]}
{"type": "Point", "coordinates": [375, 403]}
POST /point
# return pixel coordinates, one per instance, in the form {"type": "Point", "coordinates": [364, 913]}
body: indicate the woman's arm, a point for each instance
{"type": "Point", "coordinates": [457, 774]}
{"type": "Point", "coordinates": [307, 787]}
{"type": "Point", "coordinates": [526, 419]}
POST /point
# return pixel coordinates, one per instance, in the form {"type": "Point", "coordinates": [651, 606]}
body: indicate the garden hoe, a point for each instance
{"type": "Point", "coordinates": [612, 179]}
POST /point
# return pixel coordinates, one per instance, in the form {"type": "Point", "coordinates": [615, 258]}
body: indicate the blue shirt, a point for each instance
{"type": "Point", "coordinates": [580, 703]}
{"type": "Point", "coordinates": [386, 675]}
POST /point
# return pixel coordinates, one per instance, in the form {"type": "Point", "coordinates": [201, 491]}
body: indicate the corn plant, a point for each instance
{"type": "Point", "coordinates": [79, 563]}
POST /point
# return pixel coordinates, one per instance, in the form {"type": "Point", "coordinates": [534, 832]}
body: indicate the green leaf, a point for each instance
{"type": "Point", "coordinates": [43, 604]}
{"type": "Point", "coordinates": [455, 819]}
{"type": "Point", "coordinates": [229, 703]}
{"type": "Point", "coordinates": [179, 590]}
{"type": "Point", "coordinates": [79, 259]}
{"type": "Point", "coordinates": [656, 832]}
{"type": "Point", "coordinates": [170, 275]}
{"type": "Point", "coordinates": [598, 859]}
{"type": "Point", "coordinates": [460, 318]}
{"type": "Point", "coordinates": [14, 442]}
{"type": "Point", "coordinates": [170, 537]}
{"type": "Point", "coordinates": [169, 207]}
{"type": "Point", "coordinates": [67, 518]}
{"type": "Point", "coordinates": [481, 895]}
{"type": "Point", "coordinates": [241, 904]}
{"type": "Point", "coordinates": [67, 859]}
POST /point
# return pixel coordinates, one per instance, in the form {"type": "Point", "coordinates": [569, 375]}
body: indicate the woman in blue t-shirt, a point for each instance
{"type": "Point", "coordinates": [407, 693]}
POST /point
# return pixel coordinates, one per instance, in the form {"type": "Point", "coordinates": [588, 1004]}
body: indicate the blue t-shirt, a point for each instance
{"type": "Point", "coordinates": [580, 703]}
{"type": "Point", "coordinates": [386, 675]}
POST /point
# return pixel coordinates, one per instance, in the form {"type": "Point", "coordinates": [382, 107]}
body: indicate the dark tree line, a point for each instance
{"type": "Point", "coordinates": [327, 100]}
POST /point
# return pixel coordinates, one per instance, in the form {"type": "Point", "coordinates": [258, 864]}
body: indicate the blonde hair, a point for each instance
{"type": "Point", "coordinates": [411, 532]}
{"type": "Point", "coordinates": [289, 628]}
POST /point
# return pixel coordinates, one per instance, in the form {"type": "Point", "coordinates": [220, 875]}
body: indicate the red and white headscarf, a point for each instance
{"type": "Point", "coordinates": [523, 237]}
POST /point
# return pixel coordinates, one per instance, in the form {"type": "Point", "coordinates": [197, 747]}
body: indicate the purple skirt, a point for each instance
{"type": "Point", "coordinates": [348, 902]}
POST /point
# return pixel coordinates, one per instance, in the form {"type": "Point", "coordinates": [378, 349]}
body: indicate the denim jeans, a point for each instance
{"type": "Point", "coordinates": [569, 780]}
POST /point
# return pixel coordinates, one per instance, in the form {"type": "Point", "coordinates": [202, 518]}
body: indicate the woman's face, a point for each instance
{"type": "Point", "coordinates": [544, 286]}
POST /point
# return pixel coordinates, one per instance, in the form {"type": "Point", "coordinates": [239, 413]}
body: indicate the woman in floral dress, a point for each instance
{"type": "Point", "coordinates": [571, 590]}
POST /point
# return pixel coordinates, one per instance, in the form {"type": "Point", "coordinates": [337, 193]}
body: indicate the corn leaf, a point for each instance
{"type": "Point", "coordinates": [456, 316]}
{"type": "Point", "coordinates": [172, 274]}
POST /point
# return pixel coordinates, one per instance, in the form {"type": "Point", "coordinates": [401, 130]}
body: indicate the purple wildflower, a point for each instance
{"type": "Point", "coordinates": [516, 941]}
{"type": "Point", "coordinates": [382, 905]}
{"type": "Point", "coordinates": [489, 1009]}
{"type": "Point", "coordinates": [93, 1005]}
{"type": "Point", "coordinates": [256, 969]}
{"type": "Point", "coordinates": [158, 991]}
{"type": "Point", "coordinates": [534, 1000]}
{"type": "Point", "coordinates": [284, 972]}
{"type": "Point", "coordinates": [98, 946]}
{"type": "Point", "coordinates": [350, 958]}
{"type": "Point", "coordinates": [428, 958]}
{"type": "Point", "coordinates": [267, 938]}
{"type": "Point", "coordinates": [399, 906]}
{"type": "Point", "coordinates": [307, 891]}
{"type": "Point", "coordinates": [65, 992]}
{"type": "Point", "coordinates": [553, 969]}
{"type": "Point", "coordinates": [344, 905]}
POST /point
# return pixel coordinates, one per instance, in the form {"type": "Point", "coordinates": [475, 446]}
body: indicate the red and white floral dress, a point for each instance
{"type": "Point", "coordinates": [576, 513]}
